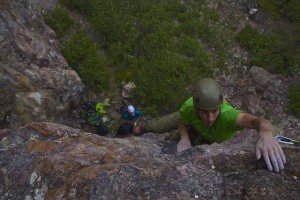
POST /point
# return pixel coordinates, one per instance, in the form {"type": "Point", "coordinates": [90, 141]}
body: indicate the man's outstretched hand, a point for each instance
{"type": "Point", "coordinates": [271, 152]}
{"type": "Point", "coordinates": [184, 144]}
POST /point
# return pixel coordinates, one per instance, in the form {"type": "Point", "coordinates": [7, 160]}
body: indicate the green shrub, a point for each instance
{"type": "Point", "coordinates": [161, 85]}
{"type": "Point", "coordinates": [60, 21]}
{"type": "Point", "coordinates": [160, 45]}
{"type": "Point", "coordinates": [164, 46]}
{"type": "Point", "coordinates": [83, 56]}
{"type": "Point", "coordinates": [288, 9]}
{"type": "Point", "coordinates": [83, 6]}
{"type": "Point", "coordinates": [274, 51]}
{"type": "Point", "coordinates": [277, 48]}
{"type": "Point", "coordinates": [80, 52]}
{"type": "Point", "coordinates": [294, 100]}
{"type": "Point", "coordinates": [291, 11]}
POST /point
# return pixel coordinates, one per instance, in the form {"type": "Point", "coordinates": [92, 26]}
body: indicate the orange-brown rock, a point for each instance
{"type": "Point", "coordinates": [52, 161]}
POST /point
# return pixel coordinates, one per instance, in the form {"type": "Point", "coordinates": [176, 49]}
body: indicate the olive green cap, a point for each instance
{"type": "Point", "coordinates": [207, 94]}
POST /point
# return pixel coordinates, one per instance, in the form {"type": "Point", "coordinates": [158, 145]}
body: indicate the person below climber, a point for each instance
{"type": "Point", "coordinates": [132, 115]}
{"type": "Point", "coordinates": [215, 120]}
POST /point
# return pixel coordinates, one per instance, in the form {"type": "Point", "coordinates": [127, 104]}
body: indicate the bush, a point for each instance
{"type": "Point", "coordinates": [160, 45]}
{"type": "Point", "coordinates": [294, 100]}
{"type": "Point", "coordinates": [143, 40]}
{"type": "Point", "coordinates": [80, 52]}
{"type": "Point", "coordinates": [163, 88]}
{"type": "Point", "coordinates": [82, 55]}
{"type": "Point", "coordinates": [277, 51]}
{"type": "Point", "coordinates": [83, 6]}
{"type": "Point", "coordinates": [60, 21]}
{"type": "Point", "coordinates": [279, 9]}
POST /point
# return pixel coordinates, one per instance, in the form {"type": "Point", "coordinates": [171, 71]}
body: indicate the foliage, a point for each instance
{"type": "Point", "coordinates": [279, 9]}
{"type": "Point", "coordinates": [276, 48]}
{"type": "Point", "coordinates": [80, 52]}
{"type": "Point", "coordinates": [160, 45]}
{"type": "Point", "coordinates": [83, 6]}
{"type": "Point", "coordinates": [277, 52]}
{"type": "Point", "coordinates": [100, 108]}
{"type": "Point", "coordinates": [294, 100]}
{"type": "Point", "coordinates": [60, 21]}
{"type": "Point", "coordinates": [164, 46]}
{"type": "Point", "coordinates": [83, 56]}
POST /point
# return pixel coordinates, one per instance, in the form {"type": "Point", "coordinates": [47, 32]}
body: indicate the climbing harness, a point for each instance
{"type": "Point", "coordinates": [287, 140]}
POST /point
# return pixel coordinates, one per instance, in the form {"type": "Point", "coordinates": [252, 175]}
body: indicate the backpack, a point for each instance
{"type": "Point", "coordinates": [94, 120]}
{"type": "Point", "coordinates": [87, 109]}
{"type": "Point", "coordinates": [125, 128]}
{"type": "Point", "coordinates": [102, 129]}
{"type": "Point", "coordinates": [89, 114]}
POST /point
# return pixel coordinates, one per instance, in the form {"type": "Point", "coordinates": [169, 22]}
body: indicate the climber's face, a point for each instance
{"type": "Point", "coordinates": [208, 117]}
{"type": "Point", "coordinates": [131, 113]}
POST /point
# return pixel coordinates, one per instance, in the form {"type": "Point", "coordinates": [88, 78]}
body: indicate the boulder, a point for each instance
{"type": "Point", "coordinates": [128, 90]}
{"type": "Point", "coordinates": [52, 161]}
{"type": "Point", "coordinates": [36, 82]}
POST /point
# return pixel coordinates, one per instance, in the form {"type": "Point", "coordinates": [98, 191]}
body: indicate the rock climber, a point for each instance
{"type": "Point", "coordinates": [213, 119]}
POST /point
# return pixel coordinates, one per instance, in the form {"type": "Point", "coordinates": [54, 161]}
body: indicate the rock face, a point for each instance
{"type": "Point", "coordinates": [51, 161]}
{"type": "Point", "coordinates": [44, 160]}
{"type": "Point", "coordinates": [36, 83]}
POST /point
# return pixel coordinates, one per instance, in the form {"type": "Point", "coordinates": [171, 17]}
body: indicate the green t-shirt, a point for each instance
{"type": "Point", "coordinates": [224, 127]}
